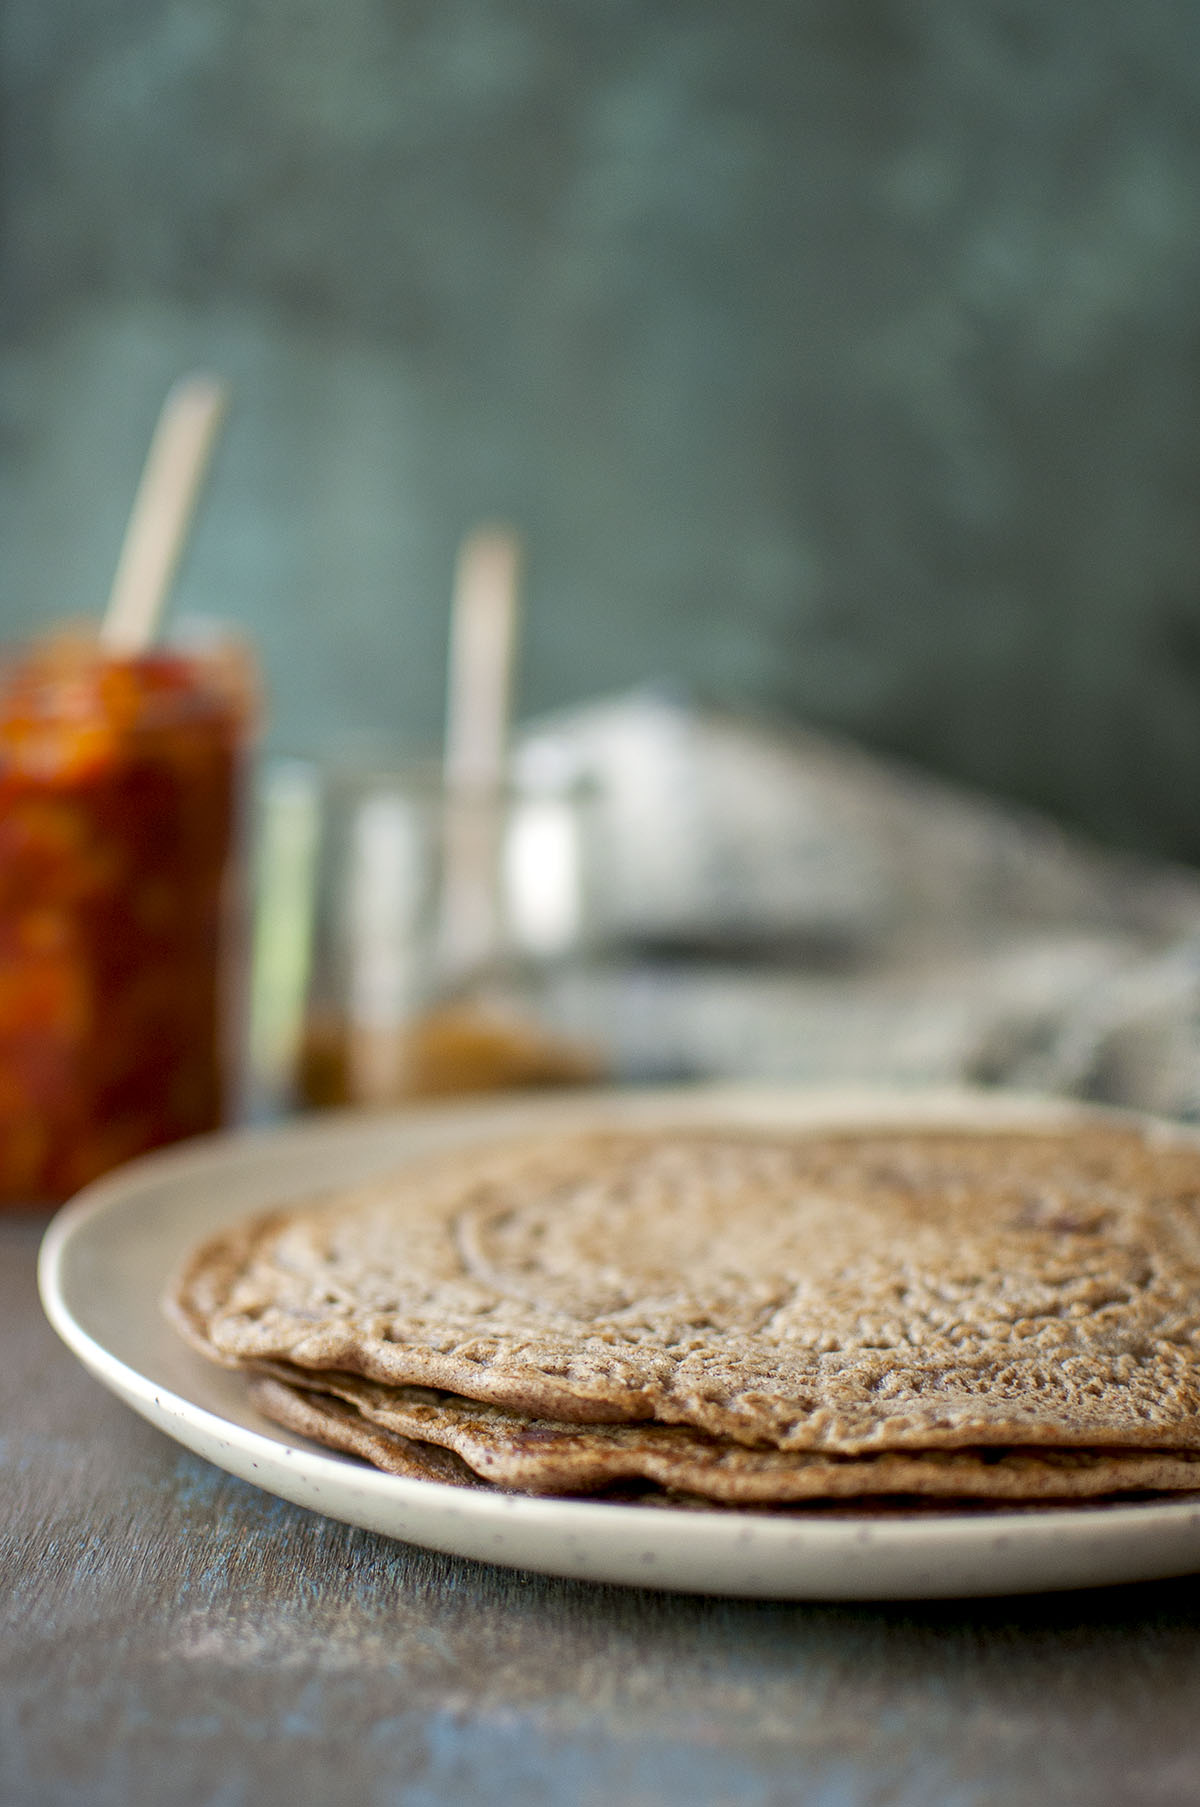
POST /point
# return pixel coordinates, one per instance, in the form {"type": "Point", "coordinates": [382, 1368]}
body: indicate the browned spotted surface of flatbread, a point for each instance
{"type": "Point", "coordinates": [845, 1293]}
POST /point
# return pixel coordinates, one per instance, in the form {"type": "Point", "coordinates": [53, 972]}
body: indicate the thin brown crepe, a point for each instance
{"type": "Point", "coordinates": [427, 1436]}
{"type": "Point", "coordinates": [847, 1294]}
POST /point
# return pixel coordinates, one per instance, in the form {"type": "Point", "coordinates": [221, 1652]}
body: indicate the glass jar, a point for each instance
{"type": "Point", "coordinates": [447, 923]}
{"type": "Point", "coordinates": [119, 786]}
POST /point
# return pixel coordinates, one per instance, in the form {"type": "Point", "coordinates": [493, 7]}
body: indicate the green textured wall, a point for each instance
{"type": "Point", "coordinates": [840, 356]}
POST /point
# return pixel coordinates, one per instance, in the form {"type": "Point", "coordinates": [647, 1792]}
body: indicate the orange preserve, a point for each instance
{"type": "Point", "coordinates": [118, 797]}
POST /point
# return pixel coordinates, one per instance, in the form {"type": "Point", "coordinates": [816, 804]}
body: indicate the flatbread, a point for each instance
{"type": "Point", "coordinates": [340, 1427]}
{"type": "Point", "coordinates": [849, 1293]}
{"type": "Point", "coordinates": [396, 1427]}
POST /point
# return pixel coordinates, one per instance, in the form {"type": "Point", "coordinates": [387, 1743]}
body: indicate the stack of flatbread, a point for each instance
{"type": "Point", "coordinates": [737, 1319]}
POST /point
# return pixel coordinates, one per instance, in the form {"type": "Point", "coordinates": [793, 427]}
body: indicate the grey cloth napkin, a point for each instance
{"type": "Point", "coordinates": [774, 903]}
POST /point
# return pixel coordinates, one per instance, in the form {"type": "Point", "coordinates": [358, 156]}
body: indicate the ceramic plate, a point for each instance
{"type": "Point", "coordinates": [107, 1256]}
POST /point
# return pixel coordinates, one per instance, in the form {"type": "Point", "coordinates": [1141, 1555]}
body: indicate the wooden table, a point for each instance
{"type": "Point", "coordinates": [173, 1636]}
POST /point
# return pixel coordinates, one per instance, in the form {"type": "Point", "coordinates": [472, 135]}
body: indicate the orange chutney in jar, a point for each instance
{"type": "Point", "coordinates": [118, 791]}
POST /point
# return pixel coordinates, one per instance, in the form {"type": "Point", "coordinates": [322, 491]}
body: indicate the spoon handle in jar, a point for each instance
{"type": "Point", "coordinates": [162, 512]}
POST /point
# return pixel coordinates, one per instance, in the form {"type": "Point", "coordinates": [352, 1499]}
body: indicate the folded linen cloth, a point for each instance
{"type": "Point", "coordinates": [777, 903]}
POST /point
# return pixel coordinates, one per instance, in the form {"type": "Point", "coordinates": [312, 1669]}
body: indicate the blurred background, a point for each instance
{"type": "Point", "coordinates": [839, 359]}
{"type": "Point", "coordinates": [837, 368]}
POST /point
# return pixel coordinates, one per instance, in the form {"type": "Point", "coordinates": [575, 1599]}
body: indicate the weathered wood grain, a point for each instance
{"type": "Point", "coordinates": [170, 1634]}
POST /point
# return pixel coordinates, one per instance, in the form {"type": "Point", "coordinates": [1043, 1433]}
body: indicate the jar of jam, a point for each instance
{"type": "Point", "coordinates": [119, 781]}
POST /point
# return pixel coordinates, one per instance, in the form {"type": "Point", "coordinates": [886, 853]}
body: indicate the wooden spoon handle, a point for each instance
{"type": "Point", "coordinates": [162, 512]}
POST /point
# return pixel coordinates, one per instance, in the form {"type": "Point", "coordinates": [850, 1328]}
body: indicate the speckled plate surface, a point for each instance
{"type": "Point", "coordinates": [107, 1256]}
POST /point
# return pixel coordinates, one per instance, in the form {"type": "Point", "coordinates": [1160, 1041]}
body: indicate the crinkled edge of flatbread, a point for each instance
{"type": "Point", "coordinates": [537, 1456]}
{"type": "Point", "coordinates": [340, 1427]}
